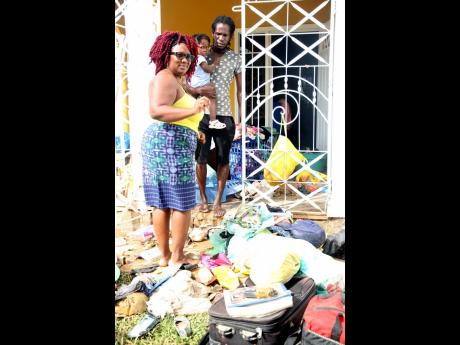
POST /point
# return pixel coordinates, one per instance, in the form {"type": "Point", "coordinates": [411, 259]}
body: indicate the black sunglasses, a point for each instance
{"type": "Point", "coordinates": [180, 56]}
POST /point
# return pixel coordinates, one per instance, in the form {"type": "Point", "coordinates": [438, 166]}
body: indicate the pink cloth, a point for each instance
{"type": "Point", "coordinates": [280, 219]}
{"type": "Point", "coordinates": [220, 260]}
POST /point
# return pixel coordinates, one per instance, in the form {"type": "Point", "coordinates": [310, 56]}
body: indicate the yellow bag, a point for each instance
{"type": "Point", "coordinates": [226, 277]}
{"type": "Point", "coordinates": [306, 176]}
{"type": "Point", "coordinates": [282, 159]}
{"type": "Point", "coordinates": [272, 260]}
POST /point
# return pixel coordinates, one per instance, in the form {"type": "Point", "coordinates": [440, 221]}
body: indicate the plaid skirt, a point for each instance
{"type": "Point", "coordinates": [168, 166]}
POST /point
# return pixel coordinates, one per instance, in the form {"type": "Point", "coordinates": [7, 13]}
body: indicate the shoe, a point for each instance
{"type": "Point", "coordinates": [144, 269]}
{"type": "Point", "coordinates": [145, 325]}
{"type": "Point", "coordinates": [182, 325]}
{"type": "Point", "coordinates": [188, 267]}
{"type": "Point", "coordinates": [216, 124]}
{"type": "Point", "coordinates": [117, 272]}
{"type": "Point", "coordinates": [125, 290]}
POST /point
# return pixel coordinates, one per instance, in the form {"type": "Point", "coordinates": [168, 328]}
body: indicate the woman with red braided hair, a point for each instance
{"type": "Point", "coordinates": [169, 143]}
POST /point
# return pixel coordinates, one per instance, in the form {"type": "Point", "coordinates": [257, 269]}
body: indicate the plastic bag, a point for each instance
{"type": "Point", "coordinates": [248, 220]}
{"type": "Point", "coordinates": [272, 260]}
{"type": "Point", "coordinates": [219, 240]}
{"type": "Point", "coordinates": [283, 159]}
{"type": "Point", "coordinates": [307, 176]}
{"type": "Point", "coordinates": [210, 262]}
{"type": "Point", "coordinates": [226, 277]}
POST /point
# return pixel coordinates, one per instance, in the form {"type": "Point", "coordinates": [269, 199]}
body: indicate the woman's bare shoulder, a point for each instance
{"type": "Point", "coordinates": [164, 77]}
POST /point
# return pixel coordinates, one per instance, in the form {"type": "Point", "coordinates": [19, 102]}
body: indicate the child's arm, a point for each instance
{"type": "Point", "coordinates": [210, 68]}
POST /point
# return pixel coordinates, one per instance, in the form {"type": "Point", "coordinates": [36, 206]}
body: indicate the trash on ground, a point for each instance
{"type": "Point", "coordinates": [145, 325]}
{"type": "Point", "coordinates": [134, 303]}
{"type": "Point", "coordinates": [182, 325]}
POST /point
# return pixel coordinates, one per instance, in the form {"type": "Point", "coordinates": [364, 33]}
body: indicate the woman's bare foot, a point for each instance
{"type": "Point", "coordinates": [182, 260]}
{"type": "Point", "coordinates": [164, 261]}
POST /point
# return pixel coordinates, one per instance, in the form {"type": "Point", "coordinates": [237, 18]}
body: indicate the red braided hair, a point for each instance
{"type": "Point", "coordinates": [161, 49]}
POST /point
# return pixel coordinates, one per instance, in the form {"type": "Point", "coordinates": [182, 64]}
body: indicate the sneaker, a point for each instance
{"type": "Point", "coordinates": [125, 290]}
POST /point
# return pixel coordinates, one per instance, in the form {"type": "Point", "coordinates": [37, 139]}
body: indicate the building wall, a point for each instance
{"type": "Point", "coordinates": [196, 16]}
{"type": "Point", "coordinates": [192, 16]}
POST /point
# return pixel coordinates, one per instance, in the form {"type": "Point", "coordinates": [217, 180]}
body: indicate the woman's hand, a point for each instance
{"type": "Point", "coordinates": [200, 104]}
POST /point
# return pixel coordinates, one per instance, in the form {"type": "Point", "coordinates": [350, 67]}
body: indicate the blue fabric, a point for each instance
{"type": "Point", "coordinates": [306, 230]}
{"type": "Point", "coordinates": [168, 166]}
{"type": "Point", "coordinates": [309, 231]}
{"type": "Point", "coordinates": [280, 230]}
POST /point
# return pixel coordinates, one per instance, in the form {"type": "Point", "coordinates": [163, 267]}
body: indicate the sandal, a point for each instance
{"type": "Point", "coordinates": [216, 124]}
{"type": "Point", "coordinates": [182, 325]}
{"type": "Point", "coordinates": [145, 325]}
{"type": "Point", "coordinates": [188, 267]}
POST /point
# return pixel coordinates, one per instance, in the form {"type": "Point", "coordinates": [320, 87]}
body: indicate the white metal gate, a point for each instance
{"type": "Point", "coordinates": [288, 52]}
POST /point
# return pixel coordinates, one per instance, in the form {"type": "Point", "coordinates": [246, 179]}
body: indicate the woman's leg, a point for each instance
{"type": "Point", "coordinates": [161, 227]}
{"type": "Point", "coordinates": [179, 224]}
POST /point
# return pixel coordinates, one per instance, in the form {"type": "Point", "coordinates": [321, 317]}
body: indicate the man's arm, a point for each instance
{"type": "Point", "coordinates": [212, 67]}
{"type": "Point", "coordinates": [207, 90]}
{"type": "Point", "coordinates": [238, 95]}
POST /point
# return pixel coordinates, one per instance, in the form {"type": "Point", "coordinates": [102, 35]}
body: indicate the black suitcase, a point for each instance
{"type": "Point", "coordinates": [274, 329]}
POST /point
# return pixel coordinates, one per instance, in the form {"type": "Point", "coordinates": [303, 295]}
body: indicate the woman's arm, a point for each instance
{"type": "Point", "coordinates": [163, 91]}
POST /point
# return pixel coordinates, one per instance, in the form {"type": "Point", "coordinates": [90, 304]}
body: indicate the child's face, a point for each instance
{"type": "Point", "coordinates": [203, 47]}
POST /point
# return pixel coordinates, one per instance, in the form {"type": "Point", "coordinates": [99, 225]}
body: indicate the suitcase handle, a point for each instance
{"type": "Point", "coordinates": [251, 336]}
{"type": "Point", "coordinates": [225, 330]}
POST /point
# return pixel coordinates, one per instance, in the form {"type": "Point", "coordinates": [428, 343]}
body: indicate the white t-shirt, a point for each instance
{"type": "Point", "coordinates": [200, 77]}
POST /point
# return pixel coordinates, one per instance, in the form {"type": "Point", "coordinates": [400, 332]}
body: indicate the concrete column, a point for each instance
{"type": "Point", "coordinates": [142, 19]}
{"type": "Point", "coordinates": [336, 205]}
